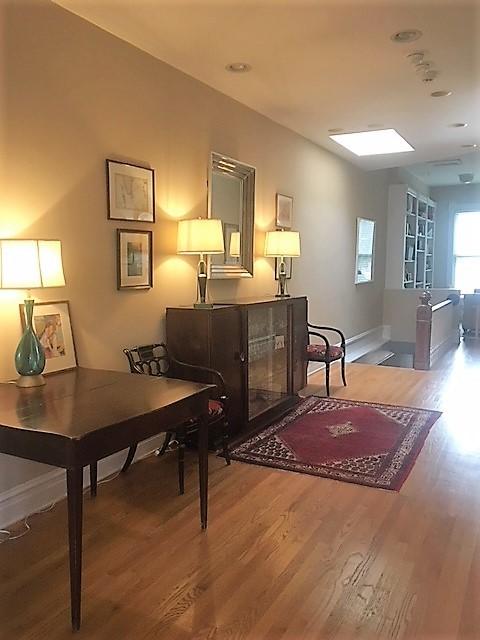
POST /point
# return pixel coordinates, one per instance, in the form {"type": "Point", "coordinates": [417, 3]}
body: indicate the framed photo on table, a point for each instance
{"type": "Point", "coordinates": [52, 324]}
{"type": "Point", "coordinates": [134, 259]}
{"type": "Point", "coordinates": [283, 211]}
{"type": "Point", "coordinates": [131, 192]}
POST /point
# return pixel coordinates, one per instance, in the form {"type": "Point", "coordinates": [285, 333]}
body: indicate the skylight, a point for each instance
{"type": "Point", "coordinates": [373, 143]}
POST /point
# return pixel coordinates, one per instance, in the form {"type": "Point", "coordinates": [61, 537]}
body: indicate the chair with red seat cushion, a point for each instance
{"type": "Point", "coordinates": [326, 352]}
{"type": "Point", "coordinates": [155, 360]}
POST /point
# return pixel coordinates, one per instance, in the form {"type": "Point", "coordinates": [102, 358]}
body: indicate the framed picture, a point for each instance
{"type": "Point", "coordinates": [284, 211]}
{"type": "Point", "coordinates": [51, 321]}
{"type": "Point", "coordinates": [131, 192]}
{"type": "Point", "coordinates": [134, 259]}
{"type": "Point", "coordinates": [230, 228]}
{"type": "Point", "coordinates": [288, 267]}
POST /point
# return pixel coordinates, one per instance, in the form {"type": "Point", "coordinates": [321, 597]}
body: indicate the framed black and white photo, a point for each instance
{"type": "Point", "coordinates": [131, 192]}
{"type": "Point", "coordinates": [52, 324]}
{"type": "Point", "coordinates": [283, 211]}
{"type": "Point", "coordinates": [134, 259]}
{"type": "Point", "coordinates": [288, 267]}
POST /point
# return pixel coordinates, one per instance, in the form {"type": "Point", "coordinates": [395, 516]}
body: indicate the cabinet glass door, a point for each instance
{"type": "Point", "coordinates": [268, 350]}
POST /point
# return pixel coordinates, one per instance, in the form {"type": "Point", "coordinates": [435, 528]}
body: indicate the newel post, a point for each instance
{"type": "Point", "coordinates": [423, 339]}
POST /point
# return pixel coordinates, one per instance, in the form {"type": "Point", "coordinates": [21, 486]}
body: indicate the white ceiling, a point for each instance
{"type": "Point", "coordinates": [435, 175]}
{"type": "Point", "coordinates": [321, 64]}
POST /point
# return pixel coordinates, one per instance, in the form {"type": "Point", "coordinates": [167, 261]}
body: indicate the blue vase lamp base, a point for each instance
{"type": "Point", "coordinates": [29, 356]}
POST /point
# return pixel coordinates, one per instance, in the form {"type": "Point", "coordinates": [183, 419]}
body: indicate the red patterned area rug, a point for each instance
{"type": "Point", "coordinates": [360, 442]}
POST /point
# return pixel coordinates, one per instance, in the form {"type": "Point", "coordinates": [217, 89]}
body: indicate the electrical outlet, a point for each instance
{"type": "Point", "coordinates": [279, 342]}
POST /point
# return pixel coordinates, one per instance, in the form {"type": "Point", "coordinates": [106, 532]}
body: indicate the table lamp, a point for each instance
{"type": "Point", "coordinates": [30, 264]}
{"type": "Point", "coordinates": [235, 244]}
{"type": "Point", "coordinates": [201, 236]}
{"type": "Point", "coordinates": [282, 244]}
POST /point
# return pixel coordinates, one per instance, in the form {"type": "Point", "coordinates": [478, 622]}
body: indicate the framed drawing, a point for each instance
{"type": "Point", "coordinates": [51, 321]}
{"type": "Point", "coordinates": [134, 259]}
{"type": "Point", "coordinates": [284, 211]}
{"type": "Point", "coordinates": [365, 251]}
{"type": "Point", "coordinates": [288, 267]}
{"type": "Point", "coordinates": [131, 192]}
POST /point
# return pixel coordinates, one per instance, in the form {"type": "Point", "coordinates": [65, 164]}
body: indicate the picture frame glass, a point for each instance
{"type": "Point", "coordinates": [131, 192]}
{"type": "Point", "coordinates": [53, 327]}
{"type": "Point", "coordinates": [365, 251]}
{"type": "Point", "coordinates": [284, 211]}
{"type": "Point", "coordinates": [134, 249]}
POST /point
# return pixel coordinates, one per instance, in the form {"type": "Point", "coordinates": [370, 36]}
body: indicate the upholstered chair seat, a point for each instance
{"type": "Point", "coordinates": [320, 353]}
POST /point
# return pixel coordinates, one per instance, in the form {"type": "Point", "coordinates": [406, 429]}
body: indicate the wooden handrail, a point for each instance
{"type": "Point", "coordinates": [440, 305]}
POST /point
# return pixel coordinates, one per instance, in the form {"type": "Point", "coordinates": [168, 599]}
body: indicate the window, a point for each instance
{"type": "Point", "coordinates": [365, 250]}
{"type": "Point", "coordinates": [466, 251]}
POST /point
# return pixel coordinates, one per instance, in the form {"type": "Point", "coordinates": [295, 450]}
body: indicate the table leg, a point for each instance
{"type": "Point", "coordinates": [75, 504]}
{"type": "Point", "coordinates": [203, 468]}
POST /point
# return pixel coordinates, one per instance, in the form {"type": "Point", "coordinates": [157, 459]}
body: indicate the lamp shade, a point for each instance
{"type": "Point", "coordinates": [282, 244]}
{"type": "Point", "coordinates": [235, 244]}
{"type": "Point", "coordinates": [203, 235]}
{"type": "Point", "coordinates": [31, 264]}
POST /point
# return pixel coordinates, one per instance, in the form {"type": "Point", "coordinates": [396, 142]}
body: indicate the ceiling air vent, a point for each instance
{"type": "Point", "coordinates": [452, 162]}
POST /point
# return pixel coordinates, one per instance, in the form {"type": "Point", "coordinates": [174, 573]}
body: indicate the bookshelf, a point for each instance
{"type": "Point", "coordinates": [410, 239]}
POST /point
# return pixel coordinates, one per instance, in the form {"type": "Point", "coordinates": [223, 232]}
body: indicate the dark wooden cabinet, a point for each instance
{"type": "Point", "coordinates": [257, 345]}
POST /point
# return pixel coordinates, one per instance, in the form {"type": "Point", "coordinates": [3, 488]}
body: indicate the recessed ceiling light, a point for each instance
{"type": "Point", "coordinates": [373, 143]}
{"type": "Point", "coordinates": [470, 146]}
{"type": "Point", "coordinates": [458, 125]}
{"type": "Point", "coordinates": [416, 57]}
{"type": "Point", "coordinates": [441, 94]}
{"type": "Point", "coordinates": [408, 35]}
{"type": "Point", "coordinates": [466, 178]}
{"type": "Point", "coordinates": [429, 75]}
{"type": "Point", "coordinates": [238, 67]}
{"type": "Point", "coordinates": [335, 130]}
{"type": "Point", "coordinates": [423, 66]}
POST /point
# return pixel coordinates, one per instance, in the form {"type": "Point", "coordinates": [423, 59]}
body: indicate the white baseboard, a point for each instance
{"type": "Point", "coordinates": [359, 345]}
{"type": "Point", "coordinates": [38, 493]}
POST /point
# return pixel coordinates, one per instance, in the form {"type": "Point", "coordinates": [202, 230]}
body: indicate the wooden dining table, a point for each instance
{"type": "Point", "coordinates": [83, 415]}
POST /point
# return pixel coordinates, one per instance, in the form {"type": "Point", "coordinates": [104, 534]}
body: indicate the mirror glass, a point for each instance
{"type": "Point", "coordinates": [231, 198]}
{"type": "Point", "coordinates": [365, 250]}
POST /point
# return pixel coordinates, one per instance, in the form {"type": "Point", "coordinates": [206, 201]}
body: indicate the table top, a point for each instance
{"type": "Point", "coordinates": [75, 403]}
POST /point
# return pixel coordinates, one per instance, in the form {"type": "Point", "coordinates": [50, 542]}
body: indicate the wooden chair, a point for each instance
{"type": "Point", "coordinates": [155, 360]}
{"type": "Point", "coordinates": [325, 352]}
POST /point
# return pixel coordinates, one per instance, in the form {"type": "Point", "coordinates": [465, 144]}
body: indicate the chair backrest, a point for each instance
{"type": "Point", "coordinates": [149, 359]}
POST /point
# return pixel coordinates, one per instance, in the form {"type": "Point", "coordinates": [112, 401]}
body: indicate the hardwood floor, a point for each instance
{"type": "Point", "coordinates": [286, 556]}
